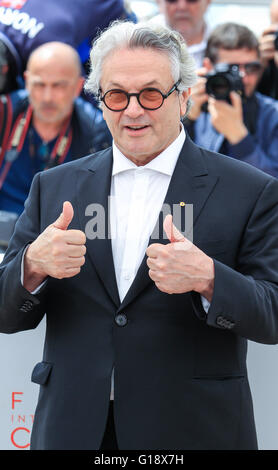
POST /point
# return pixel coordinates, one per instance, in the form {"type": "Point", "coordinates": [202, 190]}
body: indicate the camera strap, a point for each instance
{"type": "Point", "coordinates": [250, 113]}
{"type": "Point", "coordinates": [18, 136]}
{"type": "Point", "coordinates": [6, 117]}
{"type": "Point", "coordinates": [61, 146]}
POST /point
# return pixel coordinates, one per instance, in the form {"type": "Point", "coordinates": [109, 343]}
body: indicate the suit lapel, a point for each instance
{"type": "Point", "coordinates": [190, 184]}
{"type": "Point", "coordinates": [93, 189]}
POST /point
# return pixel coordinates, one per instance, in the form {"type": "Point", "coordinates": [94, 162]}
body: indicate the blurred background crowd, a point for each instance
{"type": "Point", "coordinates": [46, 119]}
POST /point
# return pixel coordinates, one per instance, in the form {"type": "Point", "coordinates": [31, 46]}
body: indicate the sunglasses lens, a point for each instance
{"type": "Point", "coordinates": [115, 100]}
{"type": "Point", "coordinates": [251, 69]}
{"type": "Point", "coordinates": [150, 98]}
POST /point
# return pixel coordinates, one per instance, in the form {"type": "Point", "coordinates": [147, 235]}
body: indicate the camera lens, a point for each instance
{"type": "Point", "coordinates": [219, 87]}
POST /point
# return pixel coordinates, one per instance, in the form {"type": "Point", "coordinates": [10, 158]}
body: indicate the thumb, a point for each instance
{"type": "Point", "coordinates": [171, 231]}
{"type": "Point", "coordinates": [65, 217]}
{"type": "Point", "coordinates": [236, 100]}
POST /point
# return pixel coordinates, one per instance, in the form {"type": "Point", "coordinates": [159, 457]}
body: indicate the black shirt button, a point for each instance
{"type": "Point", "coordinates": [121, 319]}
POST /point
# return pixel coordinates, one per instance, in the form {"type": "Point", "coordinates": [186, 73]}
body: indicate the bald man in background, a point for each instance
{"type": "Point", "coordinates": [46, 124]}
{"type": "Point", "coordinates": [26, 25]}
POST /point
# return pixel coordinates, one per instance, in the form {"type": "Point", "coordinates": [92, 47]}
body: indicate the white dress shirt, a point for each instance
{"type": "Point", "coordinates": [137, 195]}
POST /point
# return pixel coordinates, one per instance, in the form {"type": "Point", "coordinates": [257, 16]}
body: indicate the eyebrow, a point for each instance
{"type": "Point", "coordinates": [58, 82]}
{"type": "Point", "coordinates": [146, 85]}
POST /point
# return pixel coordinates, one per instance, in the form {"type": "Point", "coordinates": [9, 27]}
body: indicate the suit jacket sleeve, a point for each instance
{"type": "Point", "coordinates": [19, 309]}
{"type": "Point", "coordinates": [250, 151]}
{"type": "Point", "coordinates": [245, 298]}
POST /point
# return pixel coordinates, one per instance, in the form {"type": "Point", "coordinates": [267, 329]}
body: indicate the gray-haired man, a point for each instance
{"type": "Point", "coordinates": [167, 318]}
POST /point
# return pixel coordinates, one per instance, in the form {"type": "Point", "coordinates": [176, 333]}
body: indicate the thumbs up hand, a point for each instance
{"type": "Point", "coordinates": [65, 217]}
{"type": "Point", "coordinates": [180, 266]}
{"type": "Point", "coordinates": [57, 252]}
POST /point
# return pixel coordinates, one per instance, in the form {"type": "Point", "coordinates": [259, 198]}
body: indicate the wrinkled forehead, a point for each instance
{"type": "Point", "coordinates": [52, 71]}
{"type": "Point", "coordinates": [51, 80]}
{"type": "Point", "coordinates": [140, 66]}
{"type": "Point", "coordinates": [237, 56]}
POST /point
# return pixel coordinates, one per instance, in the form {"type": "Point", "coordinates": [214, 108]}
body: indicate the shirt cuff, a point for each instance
{"type": "Point", "coordinates": [22, 275]}
{"type": "Point", "coordinates": [205, 303]}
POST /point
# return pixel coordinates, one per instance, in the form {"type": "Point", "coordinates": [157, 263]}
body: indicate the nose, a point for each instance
{"type": "Point", "coordinates": [242, 71]}
{"type": "Point", "coordinates": [47, 93]}
{"type": "Point", "coordinates": [182, 4]}
{"type": "Point", "coordinates": [134, 109]}
{"type": "Point", "coordinates": [244, 76]}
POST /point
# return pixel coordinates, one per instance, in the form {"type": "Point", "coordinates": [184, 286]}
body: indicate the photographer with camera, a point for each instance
{"type": "Point", "coordinates": [227, 115]}
{"type": "Point", "coordinates": [268, 41]}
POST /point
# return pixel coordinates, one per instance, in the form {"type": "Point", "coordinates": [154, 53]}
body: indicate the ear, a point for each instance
{"type": "Point", "coordinates": [208, 64]}
{"type": "Point", "coordinates": [183, 97]}
{"type": "Point", "coordinates": [105, 111]}
{"type": "Point", "coordinates": [79, 86]}
{"type": "Point", "coordinates": [26, 76]}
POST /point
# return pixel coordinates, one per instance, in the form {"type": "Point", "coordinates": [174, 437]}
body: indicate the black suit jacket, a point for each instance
{"type": "Point", "coordinates": [180, 375]}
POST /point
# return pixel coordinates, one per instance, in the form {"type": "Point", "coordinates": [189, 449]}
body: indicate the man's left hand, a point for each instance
{"type": "Point", "coordinates": [227, 118]}
{"type": "Point", "coordinates": [180, 266]}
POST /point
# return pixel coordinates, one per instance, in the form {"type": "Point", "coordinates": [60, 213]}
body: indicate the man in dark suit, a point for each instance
{"type": "Point", "coordinates": [149, 331]}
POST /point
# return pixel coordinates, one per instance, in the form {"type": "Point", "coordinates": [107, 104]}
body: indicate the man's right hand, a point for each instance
{"type": "Point", "coordinates": [57, 252]}
{"type": "Point", "coordinates": [198, 95]}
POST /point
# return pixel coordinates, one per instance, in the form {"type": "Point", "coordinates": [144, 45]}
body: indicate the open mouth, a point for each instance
{"type": "Point", "coordinates": [136, 128]}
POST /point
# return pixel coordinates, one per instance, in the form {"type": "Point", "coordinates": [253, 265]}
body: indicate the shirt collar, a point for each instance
{"type": "Point", "coordinates": [164, 163]}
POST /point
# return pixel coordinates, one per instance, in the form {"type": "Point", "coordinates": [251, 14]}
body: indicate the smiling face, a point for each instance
{"type": "Point", "coordinates": [141, 134]}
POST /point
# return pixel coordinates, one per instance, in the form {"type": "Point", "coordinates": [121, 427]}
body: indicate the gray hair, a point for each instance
{"type": "Point", "coordinates": [147, 35]}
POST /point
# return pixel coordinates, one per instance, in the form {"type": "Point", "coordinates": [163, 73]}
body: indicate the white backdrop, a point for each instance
{"type": "Point", "coordinates": [18, 395]}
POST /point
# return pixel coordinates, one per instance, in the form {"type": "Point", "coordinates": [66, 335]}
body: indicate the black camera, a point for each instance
{"type": "Point", "coordinates": [276, 41]}
{"type": "Point", "coordinates": [222, 80]}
